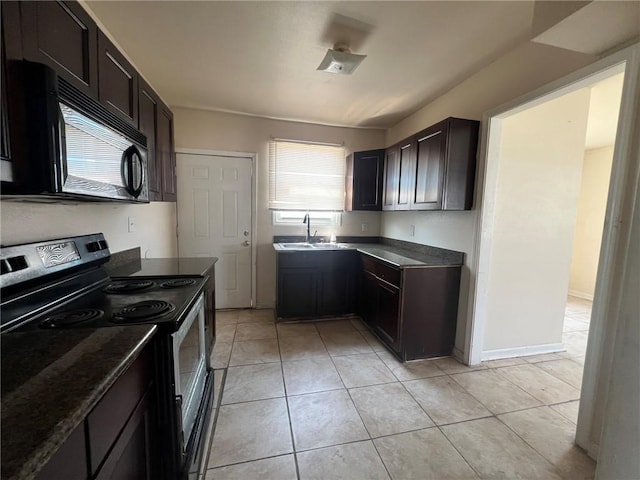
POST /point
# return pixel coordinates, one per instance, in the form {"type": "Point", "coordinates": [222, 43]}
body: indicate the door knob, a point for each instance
{"type": "Point", "coordinates": [246, 243]}
{"type": "Point", "coordinates": [246, 233]}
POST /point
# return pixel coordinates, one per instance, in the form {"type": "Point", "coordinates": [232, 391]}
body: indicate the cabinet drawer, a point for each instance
{"type": "Point", "coordinates": [110, 415]}
{"type": "Point", "coordinates": [380, 270]}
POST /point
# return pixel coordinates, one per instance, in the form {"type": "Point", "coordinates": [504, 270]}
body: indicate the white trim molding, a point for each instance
{"type": "Point", "coordinates": [586, 296]}
{"type": "Point", "coordinates": [525, 351]}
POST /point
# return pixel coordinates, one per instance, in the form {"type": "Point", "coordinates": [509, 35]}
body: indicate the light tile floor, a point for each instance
{"type": "Point", "coordinates": [325, 400]}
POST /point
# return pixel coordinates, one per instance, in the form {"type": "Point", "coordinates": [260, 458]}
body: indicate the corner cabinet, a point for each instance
{"type": "Point", "coordinates": [433, 169]}
{"type": "Point", "coordinates": [364, 180]}
{"type": "Point", "coordinates": [312, 284]}
{"type": "Point", "coordinates": [412, 310]}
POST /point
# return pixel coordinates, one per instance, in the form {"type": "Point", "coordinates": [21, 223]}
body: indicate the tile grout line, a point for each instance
{"type": "Point", "coordinates": [459, 452]}
{"type": "Point", "coordinates": [505, 378]}
{"type": "Point", "coordinates": [215, 419]}
{"type": "Point", "coordinates": [531, 446]}
{"type": "Point", "coordinates": [544, 371]}
{"type": "Point", "coordinates": [286, 401]}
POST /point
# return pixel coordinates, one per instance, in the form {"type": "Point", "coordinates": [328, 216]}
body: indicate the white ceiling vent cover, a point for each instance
{"type": "Point", "coordinates": [340, 60]}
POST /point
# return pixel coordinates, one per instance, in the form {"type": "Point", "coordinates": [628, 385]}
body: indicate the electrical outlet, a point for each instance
{"type": "Point", "coordinates": [412, 230]}
{"type": "Point", "coordinates": [132, 224]}
{"type": "Point", "coordinates": [365, 227]}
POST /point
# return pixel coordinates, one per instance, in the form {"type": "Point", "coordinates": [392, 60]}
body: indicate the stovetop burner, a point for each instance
{"type": "Point", "coordinates": [71, 318]}
{"type": "Point", "coordinates": [178, 283]}
{"type": "Point", "coordinates": [141, 311]}
{"type": "Point", "coordinates": [129, 286]}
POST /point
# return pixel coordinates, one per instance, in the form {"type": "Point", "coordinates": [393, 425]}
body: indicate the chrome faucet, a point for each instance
{"type": "Point", "coordinates": [307, 220]}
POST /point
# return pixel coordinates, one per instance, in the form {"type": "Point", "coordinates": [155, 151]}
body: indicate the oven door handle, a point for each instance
{"type": "Point", "coordinates": [178, 402]}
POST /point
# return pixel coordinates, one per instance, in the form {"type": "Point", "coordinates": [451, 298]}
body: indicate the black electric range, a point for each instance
{"type": "Point", "coordinates": [117, 303]}
{"type": "Point", "coordinates": [62, 284]}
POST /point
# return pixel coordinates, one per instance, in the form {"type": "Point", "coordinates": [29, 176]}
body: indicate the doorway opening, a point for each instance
{"type": "Point", "coordinates": [524, 245]}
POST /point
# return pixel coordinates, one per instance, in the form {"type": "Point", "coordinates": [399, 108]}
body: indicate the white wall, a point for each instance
{"type": "Point", "coordinates": [592, 204]}
{"type": "Point", "coordinates": [536, 197]}
{"type": "Point", "coordinates": [527, 67]}
{"type": "Point", "coordinates": [207, 130]}
{"type": "Point", "coordinates": [155, 224]}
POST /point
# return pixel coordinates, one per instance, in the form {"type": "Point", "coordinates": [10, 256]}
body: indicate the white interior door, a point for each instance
{"type": "Point", "coordinates": [214, 219]}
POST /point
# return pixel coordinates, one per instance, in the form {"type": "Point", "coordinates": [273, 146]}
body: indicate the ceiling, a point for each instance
{"type": "Point", "coordinates": [260, 58]}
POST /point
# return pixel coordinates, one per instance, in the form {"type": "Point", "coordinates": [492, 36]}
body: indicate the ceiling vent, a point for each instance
{"type": "Point", "coordinates": [340, 60]}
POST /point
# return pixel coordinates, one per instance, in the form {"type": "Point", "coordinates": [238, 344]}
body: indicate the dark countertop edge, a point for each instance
{"type": "Point", "coordinates": [435, 264]}
{"type": "Point", "coordinates": [40, 456]}
{"type": "Point", "coordinates": [162, 267]}
{"type": "Point", "coordinates": [410, 255]}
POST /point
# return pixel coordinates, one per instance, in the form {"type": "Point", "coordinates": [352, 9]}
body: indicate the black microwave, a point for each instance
{"type": "Point", "coordinates": [72, 147]}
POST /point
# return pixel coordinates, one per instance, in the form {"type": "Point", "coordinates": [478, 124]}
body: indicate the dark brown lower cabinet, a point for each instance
{"type": "Point", "coordinates": [70, 461]}
{"type": "Point", "coordinates": [388, 324]}
{"type": "Point", "coordinates": [131, 455]}
{"type": "Point", "coordinates": [412, 310]}
{"type": "Point", "coordinates": [297, 289]}
{"type": "Point", "coordinates": [117, 439]}
{"type": "Point", "coordinates": [379, 308]}
{"type": "Point", "coordinates": [312, 284]}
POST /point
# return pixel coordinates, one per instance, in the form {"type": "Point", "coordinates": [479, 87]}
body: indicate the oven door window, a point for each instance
{"type": "Point", "coordinates": [190, 366]}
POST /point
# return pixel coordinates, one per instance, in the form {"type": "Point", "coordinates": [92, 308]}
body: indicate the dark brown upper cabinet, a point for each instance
{"type": "Point", "coordinates": [156, 122]}
{"type": "Point", "coordinates": [364, 180]}
{"type": "Point", "coordinates": [118, 81]}
{"type": "Point", "coordinates": [460, 164]}
{"type": "Point", "coordinates": [63, 36]}
{"type": "Point", "coordinates": [406, 162]}
{"type": "Point", "coordinates": [390, 181]}
{"type": "Point", "coordinates": [148, 110]}
{"type": "Point", "coordinates": [429, 168]}
{"type": "Point", "coordinates": [435, 168]}
{"type": "Point", "coordinates": [166, 153]}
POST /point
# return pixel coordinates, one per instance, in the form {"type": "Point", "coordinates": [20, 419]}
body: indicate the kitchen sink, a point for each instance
{"type": "Point", "coordinates": [316, 246]}
{"type": "Point", "coordinates": [296, 245]}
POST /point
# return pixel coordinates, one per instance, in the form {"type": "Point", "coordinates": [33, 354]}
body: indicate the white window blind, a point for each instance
{"type": "Point", "coordinates": [304, 176]}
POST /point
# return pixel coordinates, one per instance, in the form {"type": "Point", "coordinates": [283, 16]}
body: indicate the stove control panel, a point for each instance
{"type": "Point", "coordinates": [31, 261]}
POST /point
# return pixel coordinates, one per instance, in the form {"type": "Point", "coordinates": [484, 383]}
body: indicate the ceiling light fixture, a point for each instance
{"type": "Point", "coordinates": [340, 60]}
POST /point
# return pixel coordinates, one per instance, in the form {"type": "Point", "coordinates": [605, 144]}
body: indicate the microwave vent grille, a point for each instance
{"type": "Point", "coordinates": [99, 113]}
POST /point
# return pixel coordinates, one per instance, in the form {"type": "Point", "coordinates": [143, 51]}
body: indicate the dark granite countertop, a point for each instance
{"type": "Point", "coordinates": [50, 382]}
{"type": "Point", "coordinates": [421, 256]}
{"type": "Point", "coordinates": [163, 267]}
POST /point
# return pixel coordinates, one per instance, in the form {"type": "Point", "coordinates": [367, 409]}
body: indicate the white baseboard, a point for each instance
{"type": "Point", "coordinates": [586, 296]}
{"type": "Point", "coordinates": [458, 354]}
{"type": "Point", "coordinates": [522, 351]}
